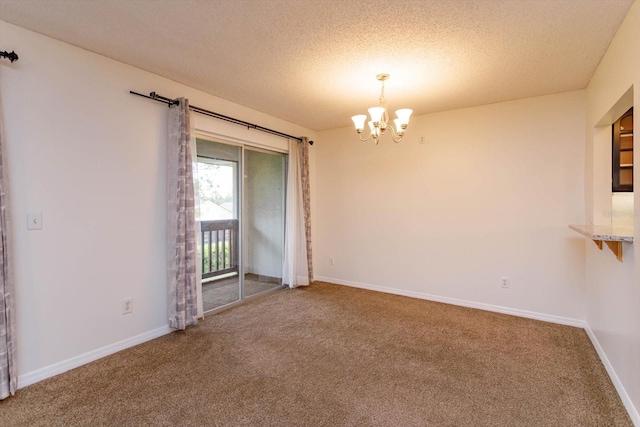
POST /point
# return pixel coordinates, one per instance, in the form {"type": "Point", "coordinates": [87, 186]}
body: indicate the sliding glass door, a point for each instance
{"type": "Point", "coordinates": [241, 221]}
{"type": "Point", "coordinates": [263, 225]}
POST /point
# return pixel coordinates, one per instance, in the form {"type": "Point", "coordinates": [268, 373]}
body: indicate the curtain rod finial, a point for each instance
{"type": "Point", "coordinates": [11, 56]}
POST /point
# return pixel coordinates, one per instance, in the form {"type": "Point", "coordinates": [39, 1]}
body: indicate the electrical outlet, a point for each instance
{"type": "Point", "coordinates": [505, 282]}
{"type": "Point", "coordinates": [331, 261]}
{"type": "Point", "coordinates": [127, 305]}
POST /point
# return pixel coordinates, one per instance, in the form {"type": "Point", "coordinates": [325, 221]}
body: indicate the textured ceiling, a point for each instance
{"type": "Point", "coordinates": [314, 62]}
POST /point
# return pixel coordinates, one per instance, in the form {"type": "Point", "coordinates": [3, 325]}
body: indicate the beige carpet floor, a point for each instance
{"type": "Point", "coordinates": [328, 355]}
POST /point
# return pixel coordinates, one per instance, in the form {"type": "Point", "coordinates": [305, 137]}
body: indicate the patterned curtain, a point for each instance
{"type": "Point", "coordinates": [306, 200]}
{"type": "Point", "coordinates": [181, 226]}
{"type": "Point", "coordinates": [298, 265]}
{"type": "Point", "coordinates": [8, 370]}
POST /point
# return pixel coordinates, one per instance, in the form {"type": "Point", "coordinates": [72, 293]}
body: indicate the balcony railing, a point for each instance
{"type": "Point", "coordinates": [219, 247]}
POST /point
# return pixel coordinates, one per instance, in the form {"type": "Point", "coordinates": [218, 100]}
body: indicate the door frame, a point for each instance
{"type": "Point", "coordinates": [243, 145]}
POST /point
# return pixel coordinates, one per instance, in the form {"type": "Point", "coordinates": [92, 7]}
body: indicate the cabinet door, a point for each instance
{"type": "Point", "coordinates": [622, 153]}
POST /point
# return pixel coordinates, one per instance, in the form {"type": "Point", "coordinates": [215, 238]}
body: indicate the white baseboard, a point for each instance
{"type": "Point", "coordinates": [82, 359]}
{"type": "Point", "coordinates": [626, 400]}
{"type": "Point", "coordinates": [464, 303]}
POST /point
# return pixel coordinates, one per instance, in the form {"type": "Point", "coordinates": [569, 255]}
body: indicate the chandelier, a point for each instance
{"type": "Point", "coordinates": [379, 122]}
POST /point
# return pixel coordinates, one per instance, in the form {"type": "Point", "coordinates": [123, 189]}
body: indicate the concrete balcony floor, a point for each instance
{"type": "Point", "coordinates": [220, 292]}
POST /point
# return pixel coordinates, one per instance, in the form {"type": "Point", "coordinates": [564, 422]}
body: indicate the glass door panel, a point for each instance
{"type": "Point", "coordinates": [263, 226]}
{"type": "Point", "coordinates": [218, 168]}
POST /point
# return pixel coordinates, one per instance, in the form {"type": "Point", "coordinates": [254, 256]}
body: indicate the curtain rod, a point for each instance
{"type": "Point", "coordinates": [11, 56]}
{"type": "Point", "coordinates": [248, 125]}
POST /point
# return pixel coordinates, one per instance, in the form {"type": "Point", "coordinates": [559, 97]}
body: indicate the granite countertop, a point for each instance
{"type": "Point", "coordinates": [606, 233]}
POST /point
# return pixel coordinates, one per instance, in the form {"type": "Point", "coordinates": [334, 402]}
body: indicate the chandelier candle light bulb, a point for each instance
{"type": "Point", "coordinates": [379, 122]}
{"type": "Point", "coordinates": [374, 130]}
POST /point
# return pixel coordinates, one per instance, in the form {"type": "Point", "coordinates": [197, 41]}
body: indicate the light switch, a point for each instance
{"type": "Point", "coordinates": [34, 221]}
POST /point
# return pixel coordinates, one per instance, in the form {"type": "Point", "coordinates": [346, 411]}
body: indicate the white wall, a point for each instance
{"type": "Point", "coordinates": [613, 296]}
{"type": "Point", "coordinates": [91, 158]}
{"type": "Point", "coordinates": [490, 194]}
{"type": "Point", "coordinates": [623, 210]}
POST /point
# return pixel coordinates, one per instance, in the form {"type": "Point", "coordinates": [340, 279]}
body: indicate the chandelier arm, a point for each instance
{"type": "Point", "coordinates": [394, 133]}
{"type": "Point", "coordinates": [364, 139]}
{"type": "Point", "coordinates": [395, 136]}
